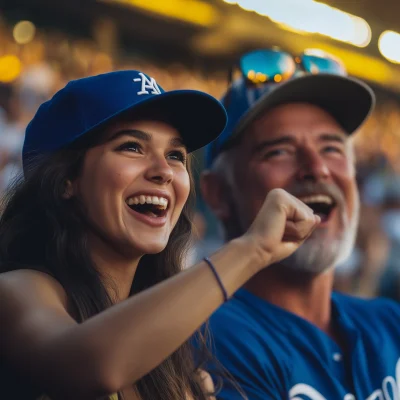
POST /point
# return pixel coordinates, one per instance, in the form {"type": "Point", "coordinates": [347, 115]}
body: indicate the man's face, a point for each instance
{"type": "Point", "coordinates": [302, 149]}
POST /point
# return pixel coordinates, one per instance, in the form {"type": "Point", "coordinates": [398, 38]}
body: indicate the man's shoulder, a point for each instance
{"type": "Point", "coordinates": [369, 311]}
{"type": "Point", "coordinates": [378, 304]}
{"type": "Point", "coordinates": [249, 323]}
{"type": "Point", "coordinates": [232, 317]}
{"type": "Point", "coordinates": [245, 314]}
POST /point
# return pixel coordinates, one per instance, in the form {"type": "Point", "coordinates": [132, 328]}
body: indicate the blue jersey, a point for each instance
{"type": "Point", "coordinates": [274, 354]}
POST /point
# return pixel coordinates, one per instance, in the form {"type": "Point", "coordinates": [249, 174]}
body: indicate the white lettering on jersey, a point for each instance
{"type": "Point", "coordinates": [304, 390]}
{"type": "Point", "coordinates": [390, 390]}
{"type": "Point", "coordinates": [147, 84]}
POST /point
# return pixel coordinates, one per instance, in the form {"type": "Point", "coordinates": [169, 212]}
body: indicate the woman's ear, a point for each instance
{"type": "Point", "coordinates": [69, 190]}
{"type": "Point", "coordinates": [214, 192]}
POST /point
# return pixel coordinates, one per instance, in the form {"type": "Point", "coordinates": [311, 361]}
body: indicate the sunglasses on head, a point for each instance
{"type": "Point", "coordinates": [275, 65]}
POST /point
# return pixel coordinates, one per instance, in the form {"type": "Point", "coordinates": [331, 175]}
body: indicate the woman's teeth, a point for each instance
{"type": "Point", "coordinates": [162, 202]}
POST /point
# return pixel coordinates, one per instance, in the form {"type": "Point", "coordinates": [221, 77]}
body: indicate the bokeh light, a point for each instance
{"type": "Point", "coordinates": [24, 32]}
{"type": "Point", "coordinates": [389, 46]}
{"type": "Point", "coordinates": [309, 16]}
{"type": "Point", "coordinates": [10, 68]}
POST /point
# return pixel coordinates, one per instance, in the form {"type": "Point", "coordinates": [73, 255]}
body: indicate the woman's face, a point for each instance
{"type": "Point", "coordinates": [134, 185]}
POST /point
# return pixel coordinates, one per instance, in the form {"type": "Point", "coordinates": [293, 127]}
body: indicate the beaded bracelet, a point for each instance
{"type": "Point", "coordinates": [211, 265]}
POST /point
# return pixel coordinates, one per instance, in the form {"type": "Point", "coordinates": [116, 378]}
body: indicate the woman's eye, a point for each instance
{"type": "Point", "coordinates": [178, 156]}
{"type": "Point", "coordinates": [130, 146]}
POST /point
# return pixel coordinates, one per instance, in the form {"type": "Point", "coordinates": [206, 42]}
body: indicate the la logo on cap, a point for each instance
{"type": "Point", "coordinates": [149, 85]}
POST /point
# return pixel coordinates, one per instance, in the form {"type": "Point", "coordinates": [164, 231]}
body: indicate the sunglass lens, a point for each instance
{"type": "Point", "coordinates": [322, 65]}
{"type": "Point", "coordinates": [267, 65]}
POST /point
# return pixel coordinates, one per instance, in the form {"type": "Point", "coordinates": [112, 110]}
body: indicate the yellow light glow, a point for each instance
{"type": "Point", "coordinates": [277, 78]}
{"type": "Point", "coordinates": [260, 77]}
{"type": "Point", "coordinates": [309, 16]}
{"type": "Point", "coordinates": [10, 68]}
{"type": "Point", "coordinates": [24, 32]}
{"type": "Point", "coordinates": [378, 69]}
{"type": "Point", "coordinates": [251, 75]}
{"type": "Point", "coordinates": [389, 46]}
{"type": "Point", "coordinates": [192, 11]}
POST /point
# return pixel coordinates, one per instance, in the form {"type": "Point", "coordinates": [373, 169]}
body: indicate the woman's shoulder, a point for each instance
{"type": "Point", "coordinates": [22, 279]}
{"type": "Point", "coordinates": [25, 290]}
{"type": "Point", "coordinates": [26, 272]}
{"type": "Point", "coordinates": [32, 304]}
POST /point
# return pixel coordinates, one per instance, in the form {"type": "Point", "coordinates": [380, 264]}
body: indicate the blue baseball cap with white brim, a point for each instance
{"type": "Point", "coordinates": [88, 103]}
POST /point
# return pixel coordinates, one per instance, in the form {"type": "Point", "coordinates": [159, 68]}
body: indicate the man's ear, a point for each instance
{"type": "Point", "coordinates": [69, 190]}
{"type": "Point", "coordinates": [214, 192]}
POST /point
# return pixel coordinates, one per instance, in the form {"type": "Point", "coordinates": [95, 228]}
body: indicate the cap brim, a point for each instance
{"type": "Point", "coordinates": [199, 117]}
{"type": "Point", "coordinates": [348, 100]}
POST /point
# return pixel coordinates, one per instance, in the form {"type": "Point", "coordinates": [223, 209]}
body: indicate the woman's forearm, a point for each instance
{"type": "Point", "coordinates": [131, 338]}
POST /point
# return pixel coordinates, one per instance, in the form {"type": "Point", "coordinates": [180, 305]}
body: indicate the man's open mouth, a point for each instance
{"type": "Point", "coordinates": [152, 206]}
{"type": "Point", "coordinates": [321, 204]}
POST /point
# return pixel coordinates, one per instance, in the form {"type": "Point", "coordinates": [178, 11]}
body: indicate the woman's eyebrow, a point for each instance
{"type": "Point", "coordinates": [136, 133]}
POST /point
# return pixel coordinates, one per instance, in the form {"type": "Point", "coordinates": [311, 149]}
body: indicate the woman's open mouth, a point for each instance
{"type": "Point", "coordinates": [150, 206]}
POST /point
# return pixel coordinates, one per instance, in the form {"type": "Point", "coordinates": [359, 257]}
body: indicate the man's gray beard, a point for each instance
{"type": "Point", "coordinates": [318, 254]}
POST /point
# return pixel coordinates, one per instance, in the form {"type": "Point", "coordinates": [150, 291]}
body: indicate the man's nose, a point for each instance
{"type": "Point", "coordinates": [312, 166]}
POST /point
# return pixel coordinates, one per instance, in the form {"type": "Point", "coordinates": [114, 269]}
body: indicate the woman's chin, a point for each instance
{"type": "Point", "coordinates": [153, 247]}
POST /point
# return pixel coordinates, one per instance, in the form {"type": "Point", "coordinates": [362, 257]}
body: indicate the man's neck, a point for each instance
{"type": "Point", "coordinates": [308, 296]}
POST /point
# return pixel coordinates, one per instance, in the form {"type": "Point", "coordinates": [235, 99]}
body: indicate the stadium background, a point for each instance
{"type": "Point", "coordinates": [192, 44]}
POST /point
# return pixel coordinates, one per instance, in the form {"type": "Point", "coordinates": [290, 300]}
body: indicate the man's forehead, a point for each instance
{"type": "Point", "coordinates": [293, 120]}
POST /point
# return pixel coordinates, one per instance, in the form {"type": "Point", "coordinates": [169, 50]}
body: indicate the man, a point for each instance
{"type": "Point", "coordinates": [285, 335]}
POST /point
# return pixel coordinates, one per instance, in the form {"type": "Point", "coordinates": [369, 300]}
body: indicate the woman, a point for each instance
{"type": "Point", "coordinates": [103, 214]}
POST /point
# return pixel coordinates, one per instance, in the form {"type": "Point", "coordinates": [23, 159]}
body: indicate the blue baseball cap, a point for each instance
{"type": "Point", "coordinates": [85, 104]}
{"type": "Point", "coordinates": [348, 100]}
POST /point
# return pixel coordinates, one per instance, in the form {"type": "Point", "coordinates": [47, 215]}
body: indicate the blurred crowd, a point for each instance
{"type": "Point", "coordinates": [30, 73]}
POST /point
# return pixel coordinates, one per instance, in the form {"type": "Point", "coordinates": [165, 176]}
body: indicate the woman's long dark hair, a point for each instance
{"type": "Point", "coordinates": [41, 230]}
